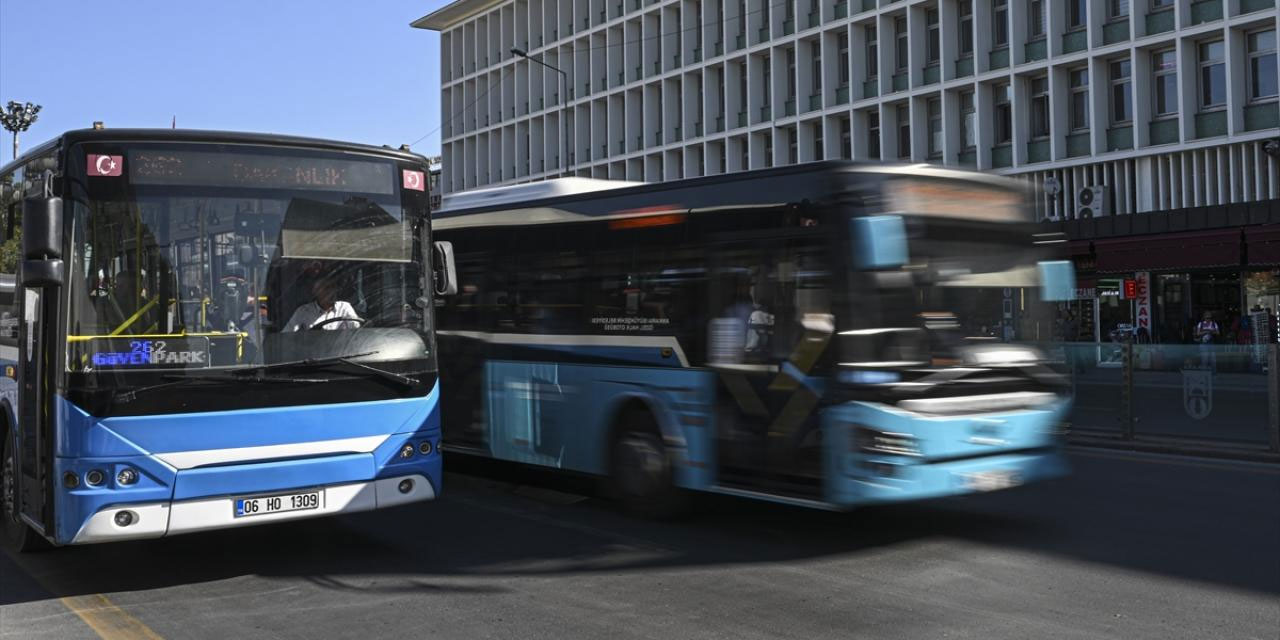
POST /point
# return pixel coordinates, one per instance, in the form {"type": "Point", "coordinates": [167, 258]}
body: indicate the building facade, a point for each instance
{"type": "Point", "coordinates": [1105, 107]}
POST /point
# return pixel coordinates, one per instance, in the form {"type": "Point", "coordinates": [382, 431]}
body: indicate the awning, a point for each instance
{"type": "Point", "coordinates": [1264, 244]}
{"type": "Point", "coordinates": [1169, 251]}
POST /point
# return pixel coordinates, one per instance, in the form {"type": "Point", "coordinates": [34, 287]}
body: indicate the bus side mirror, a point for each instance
{"type": "Point", "coordinates": [879, 242]}
{"type": "Point", "coordinates": [1057, 280]}
{"type": "Point", "coordinates": [443, 271]}
{"type": "Point", "coordinates": [42, 242]}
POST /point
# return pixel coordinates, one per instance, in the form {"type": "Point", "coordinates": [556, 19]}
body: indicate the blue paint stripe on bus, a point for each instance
{"type": "Point", "coordinates": [84, 435]}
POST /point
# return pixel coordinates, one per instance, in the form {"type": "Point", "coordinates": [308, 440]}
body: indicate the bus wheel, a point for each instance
{"type": "Point", "coordinates": [14, 533]}
{"type": "Point", "coordinates": [641, 475]}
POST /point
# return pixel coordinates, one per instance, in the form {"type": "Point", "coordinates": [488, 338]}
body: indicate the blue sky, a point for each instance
{"type": "Point", "coordinates": [350, 70]}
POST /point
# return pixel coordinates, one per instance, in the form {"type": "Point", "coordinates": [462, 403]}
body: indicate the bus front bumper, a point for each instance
{"type": "Point", "coordinates": [890, 482]}
{"type": "Point", "coordinates": [159, 519]}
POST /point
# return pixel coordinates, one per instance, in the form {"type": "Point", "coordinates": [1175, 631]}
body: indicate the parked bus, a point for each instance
{"type": "Point", "coordinates": [207, 330]}
{"type": "Point", "coordinates": [828, 334]}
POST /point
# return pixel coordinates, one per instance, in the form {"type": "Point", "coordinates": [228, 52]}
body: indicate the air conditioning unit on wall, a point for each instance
{"type": "Point", "coordinates": [1093, 202]}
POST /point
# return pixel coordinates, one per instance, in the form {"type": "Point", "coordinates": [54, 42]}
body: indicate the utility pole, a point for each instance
{"type": "Point", "coordinates": [564, 106]}
{"type": "Point", "coordinates": [17, 118]}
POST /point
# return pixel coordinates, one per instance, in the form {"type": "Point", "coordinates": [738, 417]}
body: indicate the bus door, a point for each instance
{"type": "Point", "coordinates": [769, 331]}
{"type": "Point", "coordinates": [37, 341]}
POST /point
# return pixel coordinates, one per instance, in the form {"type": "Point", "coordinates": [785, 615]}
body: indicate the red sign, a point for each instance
{"type": "Point", "coordinates": [415, 180]}
{"type": "Point", "coordinates": [1130, 289]}
{"type": "Point", "coordinates": [104, 166]}
{"type": "Point", "coordinates": [1142, 282]}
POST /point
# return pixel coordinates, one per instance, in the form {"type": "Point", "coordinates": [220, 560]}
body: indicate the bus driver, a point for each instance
{"type": "Point", "coordinates": [324, 311]}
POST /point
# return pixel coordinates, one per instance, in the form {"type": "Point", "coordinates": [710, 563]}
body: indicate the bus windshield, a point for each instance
{"type": "Point", "coordinates": [185, 258]}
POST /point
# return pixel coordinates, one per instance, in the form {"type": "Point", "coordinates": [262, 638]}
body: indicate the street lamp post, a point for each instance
{"type": "Point", "coordinates": [17, 118]}
{"type": "Point", "coordinates": [564, 106]}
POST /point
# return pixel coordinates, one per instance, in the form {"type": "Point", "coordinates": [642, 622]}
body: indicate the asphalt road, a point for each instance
{"type": "Point", "coordinates": [1127, 547]}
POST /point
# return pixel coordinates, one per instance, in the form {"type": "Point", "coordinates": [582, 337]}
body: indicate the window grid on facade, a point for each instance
{"type": "Point", "coordinates": [637, 105]}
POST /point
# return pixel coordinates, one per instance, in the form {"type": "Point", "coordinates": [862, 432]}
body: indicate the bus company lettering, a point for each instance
{"type": "Point", "coordinates": [149, 353]}
{"type": "Point", "coordinates": [629, 324]}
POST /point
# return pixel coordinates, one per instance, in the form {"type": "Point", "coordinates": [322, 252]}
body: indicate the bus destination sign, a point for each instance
{"type": "Point", "coordinates": [212, 169]}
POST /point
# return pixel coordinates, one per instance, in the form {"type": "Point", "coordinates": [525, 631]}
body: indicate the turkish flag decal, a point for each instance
{"type": "Point", "coordinates": [105, 166]}
{"type": "Point", "coordinates": [414, 180]}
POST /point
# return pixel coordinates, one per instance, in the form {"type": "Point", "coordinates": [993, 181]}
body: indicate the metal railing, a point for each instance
{"type": "Point", "coordinates": [1220, 398]}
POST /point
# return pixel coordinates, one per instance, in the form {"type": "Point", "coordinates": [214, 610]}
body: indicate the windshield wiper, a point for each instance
{"type": "Point", "coordinates": [179, 381]}
{"type": "Point", "coordinates": [348, 359]}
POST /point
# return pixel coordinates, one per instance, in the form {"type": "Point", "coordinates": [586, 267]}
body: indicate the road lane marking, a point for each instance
{"type": "Point", "coordinates": [107, 620]}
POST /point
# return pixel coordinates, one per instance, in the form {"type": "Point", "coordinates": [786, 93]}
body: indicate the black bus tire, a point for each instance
{"type": "Point", "coordinates": [15, 535]}
{"type": "Point", "coordinates": [641, 473]}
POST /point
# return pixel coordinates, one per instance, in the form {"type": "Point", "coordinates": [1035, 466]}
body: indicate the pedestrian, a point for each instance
{"type": "Point", "coordinates": [1206, 332]}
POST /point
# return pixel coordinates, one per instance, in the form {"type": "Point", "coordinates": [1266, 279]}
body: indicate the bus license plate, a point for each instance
{"type": "Point", "coordinates": [262, 505]}
{"type": "Point", "coordinates": [991, 480]}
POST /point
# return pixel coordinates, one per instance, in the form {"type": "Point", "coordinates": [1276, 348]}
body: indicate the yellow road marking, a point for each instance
{"type": "Point", "coordinates": [106, 619]}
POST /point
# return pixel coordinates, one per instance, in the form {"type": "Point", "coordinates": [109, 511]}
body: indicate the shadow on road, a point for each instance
{"type": "Point", "coordinates": [1207, 523]}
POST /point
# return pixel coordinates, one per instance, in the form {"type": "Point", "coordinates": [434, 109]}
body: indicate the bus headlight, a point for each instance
{"type": "Point", "coordinates": [127, 476]}
{"type": "Point", "coordinates": [406, 451]}
{"type": "Point", "coordinates": [425, 448]}
{"type": "Point", "coordinates": [94, 477]}
{"type": "Point", "coordinates": [884, 442]}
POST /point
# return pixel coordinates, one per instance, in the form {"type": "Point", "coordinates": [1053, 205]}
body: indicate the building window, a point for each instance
{"type": "Point", "coordinates": [791, 73]}
{"type": "Point", "coordinates": [1164, 66]}
{"type": "Point", "coordinates": [1117, 9]}
{"type": "Point", "coordinates": [968, 121]}
{"type": "Point", "coordinates": [1000, 23]}
{"type": "Point", "coordinates": [1262, 65]}
{"type": "Point", "coordinates": [846, 139]}
{"type": "Point", "coordinates": [793, 152]}
{"type": "Point", "coordinates": [966, 28]}
{"type": "Point", "coordinates": [767, 87]}
{"type": "Point", "coordinates": [1121, 97]}
{"type": "Point", "coordinates": [1035, 19]}
{"type": "Point", "coordinates": [904, 131]}
{"type": "Point", "coordinates": [873, 57]}
{"type": "Point", "coordinates": [816, 48]}
{"type": "Point", "coordinates": [873, 135]}
{"type": "Point", "coordinates": [900, 33]}
{"type": "Point", "coordinates": [843, 66]}
{"type": "Point", "coordinates": [1161, 4]}
{"type": "Point", "coordinates": [934, 47]}
{"type": "Point", "coordinates": [817, 143]}
{"type": "Point", "coordinates": [1213, 75]}
{"type": "Point", "coordinates": [1040, 107]}
{"type": "Point", "coordinates": [934, 109]}
{"type": "Point", "coordinates": [1079, 80]}
{"type": "Point", "coordinates": [1002, 112]}
{"type": "Point", "coordinates": [1077, 13]}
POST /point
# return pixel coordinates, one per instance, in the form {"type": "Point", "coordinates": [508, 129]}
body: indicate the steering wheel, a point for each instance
{"type": "Point", "coordinates": [330, 321]}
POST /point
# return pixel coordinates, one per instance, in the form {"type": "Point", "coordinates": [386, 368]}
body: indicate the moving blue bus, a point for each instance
{"type": "Point", "coordinates": [829, 334]}
{"type": "Point", "coordinates": [205, 329]}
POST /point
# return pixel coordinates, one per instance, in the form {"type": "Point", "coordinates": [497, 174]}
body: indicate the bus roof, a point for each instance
{"type": "Point", "coordinates": [201, 135]}
{"type": "Point", "coordinates": [529, 191]}
{"type": "Point", "coordinates": [797, 182]}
